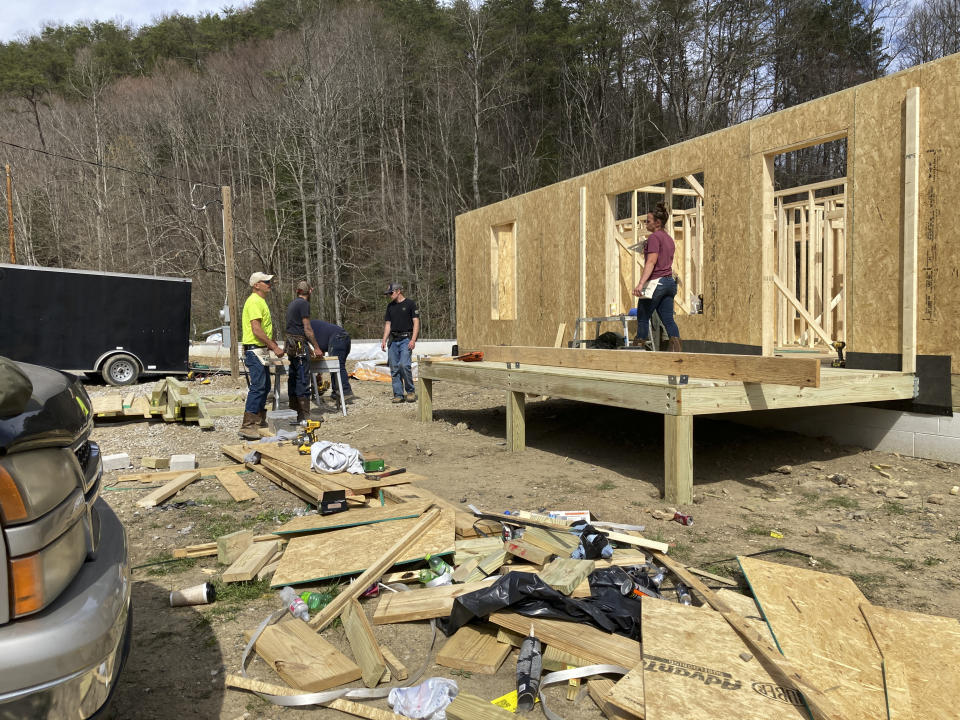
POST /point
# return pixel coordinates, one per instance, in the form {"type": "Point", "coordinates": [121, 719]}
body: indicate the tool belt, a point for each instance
{"type": "Point", "coordinates": [296, 346]}
{"type": "Point", "coordinates": [400, 335]}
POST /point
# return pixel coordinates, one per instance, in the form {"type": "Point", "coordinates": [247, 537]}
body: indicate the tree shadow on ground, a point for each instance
{"type": "Point", "coordinates": [175, 668]}
{"type": "Point", "coordinates": [630, 442]}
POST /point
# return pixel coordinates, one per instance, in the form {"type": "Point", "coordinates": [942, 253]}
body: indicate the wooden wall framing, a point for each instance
{"type": "Point", "coordinates": [563, 237]}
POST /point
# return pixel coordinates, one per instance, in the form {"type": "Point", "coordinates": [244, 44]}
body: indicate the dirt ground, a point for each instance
{"type": "Point", "coordinates": [888, 522]}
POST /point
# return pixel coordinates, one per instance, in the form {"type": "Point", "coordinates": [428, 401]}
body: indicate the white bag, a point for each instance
{"type": "Point", "coordinates": [426, 701]}
{"type": "Point", "coordinates": [329, 457]}
{"type": "Point", "coordinates": [650, 288]}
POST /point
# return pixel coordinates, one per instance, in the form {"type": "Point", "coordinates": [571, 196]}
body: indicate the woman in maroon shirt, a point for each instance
{"type": "Point", "coordinates": [657, 288]}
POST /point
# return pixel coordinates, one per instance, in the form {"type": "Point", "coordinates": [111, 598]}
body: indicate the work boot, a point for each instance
{"type": "Point", "coordinates": [250, 429]}
{"type": "Point", "coordinates": [262, 418]}
{"type": "Point", "coordinates": [674, 345]}
{"type": "Point", "coordinates": [411, 397]}
{"type": "Point", "coordinates": [397, 399]}
{"type": "Point", "coordinates": [303, 409]}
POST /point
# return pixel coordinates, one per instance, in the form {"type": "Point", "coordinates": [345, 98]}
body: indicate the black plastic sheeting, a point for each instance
{"type": "Point", "coordinates": [526, 594]}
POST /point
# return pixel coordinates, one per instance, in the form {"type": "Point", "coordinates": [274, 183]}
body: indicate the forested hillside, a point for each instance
{"type": "Point", "coordinates": [353, 133]}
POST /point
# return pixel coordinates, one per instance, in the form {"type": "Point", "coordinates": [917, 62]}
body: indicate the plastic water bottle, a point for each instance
{"type": "Point", "coordinates": [683, 596]}
{"type": "Point", "coordinates": [438, 565]}
{"type": "Point", "coordinates": [315, 600]}
{"type": "Point", "coordinates": [293, 602]}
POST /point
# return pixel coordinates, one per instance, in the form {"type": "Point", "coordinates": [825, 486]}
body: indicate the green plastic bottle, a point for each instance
{"type": "Point", "coordinates": [315, 600]}
{"type": "Point", "coordinates": [438, 566]}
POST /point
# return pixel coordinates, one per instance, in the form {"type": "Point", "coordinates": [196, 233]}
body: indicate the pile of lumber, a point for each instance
{"type": "Point", "coordinates": [169, 399]}
{"type": "Point", "coordinates": [226, 475]}
{"type": "Point", "coordinates": [806, 644]}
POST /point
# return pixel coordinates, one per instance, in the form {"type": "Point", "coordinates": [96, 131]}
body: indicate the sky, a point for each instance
{"type": "Point", "coordinates": [29, 16]}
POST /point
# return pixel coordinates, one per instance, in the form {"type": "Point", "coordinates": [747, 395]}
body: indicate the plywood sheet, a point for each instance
{"type": "Point", "coordinates": [351, 550]}
{"type": "Point", "coordinates": [816, 621]}
{"type": "Point", "coordinates": [921, 657]}
{"type": "Point", "coordinates": [474, 648]}
{"type": "Point", "coordinates": [304, 659]}
{"type": "Point", "coordinates": [352, 518]}
{"type": "Point", "coordinates": [692, 667]}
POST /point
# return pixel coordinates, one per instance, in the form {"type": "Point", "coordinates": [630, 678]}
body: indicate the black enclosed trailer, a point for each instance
{"type": "Point", "coordinates": [121, 326]}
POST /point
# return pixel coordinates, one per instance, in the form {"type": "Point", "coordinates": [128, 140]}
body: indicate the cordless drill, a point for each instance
{"type": "Point", "coordinates": [308, 435]}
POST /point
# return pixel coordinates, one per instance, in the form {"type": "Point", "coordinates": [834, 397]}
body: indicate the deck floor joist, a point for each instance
{"type": "Point", "coordinates": [677, 402]}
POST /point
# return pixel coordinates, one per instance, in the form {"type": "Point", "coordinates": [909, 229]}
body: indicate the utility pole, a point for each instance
{"type": "Point", "coordinates": [13, 248]}
{"type": "Point", "coordinates": [231, 279]}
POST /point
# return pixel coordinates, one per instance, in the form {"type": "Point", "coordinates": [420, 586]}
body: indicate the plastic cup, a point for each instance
{"type": "Point", "coordinates": [202, 594]}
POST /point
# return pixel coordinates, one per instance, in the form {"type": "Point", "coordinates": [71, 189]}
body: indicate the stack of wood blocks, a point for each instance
{"type": "Point", "coordinates": [169, 399]}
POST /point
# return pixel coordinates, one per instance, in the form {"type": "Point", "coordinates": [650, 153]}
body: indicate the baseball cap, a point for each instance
{"type": "Point", "coordinates": [303, 286]}
{"type": "Point", "coordinates": [392, 288]}
{"type": "Point", "coordinates": [260, 277]}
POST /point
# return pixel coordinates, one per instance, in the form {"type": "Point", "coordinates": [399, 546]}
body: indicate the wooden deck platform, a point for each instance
{"type": "Point", "coordinates": [677, 402]}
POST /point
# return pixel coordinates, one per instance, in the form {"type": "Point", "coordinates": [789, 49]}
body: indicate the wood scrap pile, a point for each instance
{"type": "Point", "coordinates": [176, 480]}
{"type": "Point", "coordinates": [169, 399]}
{"type": "Point", "coordinates": [841, 656]}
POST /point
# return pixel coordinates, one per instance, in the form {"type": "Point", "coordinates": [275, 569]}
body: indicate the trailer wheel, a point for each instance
{"type": "Point", "coordinates": [120, 369]}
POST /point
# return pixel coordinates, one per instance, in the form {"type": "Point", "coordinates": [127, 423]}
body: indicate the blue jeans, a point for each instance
{"type": "Point", "coordinates": [340, 349]}
{"type": "Point", "coordinates": [298, 380]}
{"type": "Point", "coordinates": [259, 383]}
{"type": "Point", "coordinates": [662, 302]}
{"type": "Point", "coordinates": [401, 371]}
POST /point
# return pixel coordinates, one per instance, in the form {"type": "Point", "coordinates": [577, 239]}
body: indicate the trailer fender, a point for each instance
{"type": "Point", "coordinates": [119, 367]}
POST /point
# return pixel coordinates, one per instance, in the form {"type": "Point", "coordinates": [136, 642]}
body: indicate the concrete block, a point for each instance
{"type": "Point", "coordinates": [875, 438]}
{"type": "Point", "coordinates": [115, 462]}
{"type": "Point", "coordinates": [950, 426]}
{"type": "Point", "coordinates": [885, 419]}
{"type": "Point", "coordinates": [938, 447]}
{"type": "Point", "coordinates": [155, 463]}
{"type": "Point", "coordinates": [183, 462]}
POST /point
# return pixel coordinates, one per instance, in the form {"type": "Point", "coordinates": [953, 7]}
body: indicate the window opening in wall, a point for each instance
{"type": "Point", "coordinates": [810, 197]}
{"type": "Point", "coordinates": [503, 271]}
{"type": "Point", "coordinates": [683, 198]}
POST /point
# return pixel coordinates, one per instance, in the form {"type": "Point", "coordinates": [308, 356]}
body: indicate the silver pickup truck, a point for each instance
{"type": "Point", "coordinates": [64, 575]}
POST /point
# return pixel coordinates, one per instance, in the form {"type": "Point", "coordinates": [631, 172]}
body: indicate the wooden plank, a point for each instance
{"type": "Point", "coordinates": [802, 372]}
{"type": "Point", "coordinates": [412, 493]}
{"type": "Point", "coordinates": [353, 550]}
{"type": "Point", "coordinates": [168, 490]}
{"type": "Point", "coordinates": [911, 229]}
{"type": "Point", "coordinates": [916, 650]}
{"type": "Point", "coordinates": [233, 545]}
{"type": "Point", "coordinates": [303, 658]}
{"type": "Point", "coordinates": [251, 561]}
{"type": "Point", "coordinates": [417, 534]}
{"type": "Point", "coordinates": [554, 541]}
{"type": "Point", "coordinates": [678, 459]}
{"type": "Point", "coordinates": [565, 574]}
{"type": "Point", "coordinates": [526, 551]}
{"type": "Point", "coordinates": [619, 537]}
{"type": "Point", "coordinates": [693, 667]}
{"type": "Point", "coordinates": [516, 421]}
{"type": "Point", "coordinates": [578, 639]}
{"type": "Point", "coordinates": [209, 549]}
{"type": "Point", "coordinates": [140, 407]}
{"type": "Point", "coordinates": [396, 667]}
{"type": "Point", "coordinates": [471, 707]}
{"type": "Point", "coordinates": [207, 472]}
{"type": "Point", "coordinates": [234, 485]}
{"type": "Point", "coordinates": [424, 399]}
{"type": "Point", "coordinates": [476, 546]}
{"type": "Point", "coordinates": [422, 604]}
{"type": "Point", "coordinates": [785, 672]}
{"type": "Point", "coordinates": [108, 405]}
{"type": "Point", "coordinates": [816, 621]}
{"type": "Point", "coordinates": [363, 643]}
{"type": "Point", "coordinates": [465, 569]}
{"type": "Point", "coordinates": [475, 649]}
{"type": "Point", "coordinates": [354, 517]}
{"type": "Point", "coordinates": [561, 331]}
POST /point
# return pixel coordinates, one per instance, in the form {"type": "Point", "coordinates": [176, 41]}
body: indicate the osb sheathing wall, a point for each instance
{"type": "Point", "coordinates": [870, 116]}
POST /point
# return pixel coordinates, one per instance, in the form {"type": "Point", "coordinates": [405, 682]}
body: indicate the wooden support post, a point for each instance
{"type": "Point", "coordinates": [767, 293]}
{"type": "Point", "coordinates": [425, 399]}
{"type": "Point", "coordinates": [13, 246]}
{"type": "Point", "coordinates": [811, 260]}
{"type": "Point", "coordinates": [561, 331]}
{"type": "Point", "coordinates": [678, 459]}
{"type": "Point", "coordinates": [516, 421]}
{"type": "Point", "coordinates": [911, 220]}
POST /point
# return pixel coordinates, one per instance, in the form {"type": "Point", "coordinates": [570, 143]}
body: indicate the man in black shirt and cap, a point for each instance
{"type": "Point", "coordinates": [401, 326]}
{"type": "Point", "coordinates": [301, 345]}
